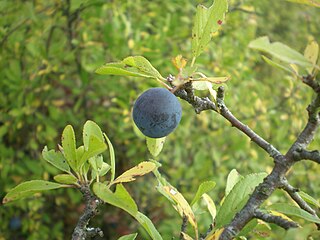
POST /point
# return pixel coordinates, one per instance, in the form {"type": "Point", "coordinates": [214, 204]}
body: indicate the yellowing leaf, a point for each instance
{"type": "Point", "coordinates": [210, 205]}
{"type": "Point", "coordinates": [186, 236]}
{"type": "Point", "coordinates": [137, 171]}
{"type": "Point", "coordinates": [312, 53]}
{"type": "Point", "coordinates": [215, 235]}
{"type": "Point", "coordinates": [205, 83]}
{"type": "Point", "coordinates": [275, 213]}
{"type": "Point", "coordinates": [179, 62]}
{"type": "Point", "coordinates": [217, 80]}
{"type": "Point", "coordinates": [183, 206]}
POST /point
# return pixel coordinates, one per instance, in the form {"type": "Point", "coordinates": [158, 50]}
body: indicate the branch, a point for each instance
{"type": "Point", "coordinates": [199, 104]}
{"type": "Point", "coordinates": [282, 162]}
{"type": "Point", "coordinates": [92, 202]}
{"type": "Point", "coordinates": [261, 193]}
{"type": "Point", "coordinates": [307, 134]}
{"type": "Point", "coordinates": [183, 226]}
{"type": "Point", "coordinates": [303, 154]}
{"type": "Point", "coordinates": [284, 223]}
{"type": "Point", "coordinates": [202, 104]}
{"type": "Point", "coordinates": [225, 112]}
{"type": "Point", "coordinates": [293, 192]}
{"type": "Point", "coordinates": [310, 81]}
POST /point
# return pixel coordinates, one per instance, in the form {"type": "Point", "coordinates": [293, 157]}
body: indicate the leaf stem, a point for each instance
{"type": "Point", "coordinates": [193, 61]}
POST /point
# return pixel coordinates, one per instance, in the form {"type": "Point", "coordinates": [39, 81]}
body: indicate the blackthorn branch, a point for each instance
{"type": "Point", "coordinates": [282, 163]}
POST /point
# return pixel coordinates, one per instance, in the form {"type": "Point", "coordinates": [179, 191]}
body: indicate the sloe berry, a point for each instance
{"type": "Point", "coordinates": [157, 112]}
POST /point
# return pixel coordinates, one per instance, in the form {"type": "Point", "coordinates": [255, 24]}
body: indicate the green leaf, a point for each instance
{"type": "Point", "coordinates": [98, 166]}
{"type": "Point", "coordinates": [69, 146]}
{"type": "Point", "coordinates": [148, 226]}
{"type": "Point", "coordinates": [143, 65]}
{"type": "Point", "coordinates": [90, 128]}
{"type": "Point", "coordinates": [129, 237]}
{"type": "Point", "coordinates": [112, 157]}
{"type": "Point", "coordinates": [122, 199]}
{"type": "Point", "coordinates": [280, 51]}
{"type": "Point", "coordinates": [79, 153]}
{"type": "Point", "coordinates": [65, 179]}
{"type": "Point", "coordinates": [155, 145]}
{"type": "Point", "coordinates": [56, 159]}
{"type": "Point", "coordinates": [233, 178]}
{"type": "Point", "coordinates": [85, 168]}
{"type": "Point", "coordinates": [201, 85]}
{"type": "Point", "coordinates": [250, 226]}
{"type": "Point", "coordinates": [236, 199]}
{"type": "Point", "coordinates": [104, 169]}
{"type": "Point", "coordinates": [277, 65]}
{"type": "Point", "coordinates": [120, 69]}
{"type": "Point", "coordinates": [309, 199]}
{"type": "Point", "coordinates": [29, 188]}
{"type": "Point", "coordinates": [139, 170]}
{"type": "Point", "coordinates": [96, 147]}
{"type": "Point", "coordinates": [135, 66]}
{"type": "Point", "coordinates": [314, 3]}
{"type": "Point", "coordinates": [96, 162]}
{"type": "Point", "coordinates": [306, 232]}
{"type": "Point", "coordinates": [294, 211]}
{"type": "Point", "coordinates": [202, 189]}
{"type": "Point", "coordinates": [207, 21]}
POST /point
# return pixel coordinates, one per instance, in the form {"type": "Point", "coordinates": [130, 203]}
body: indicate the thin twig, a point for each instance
{"type": "Point", "coordinates": [225, 112]}
{"type": "Point", "coordinates": [183, 226]}
{"type": "Point", "coordinates": [284, 223]}
{"type": "Point", "coordinates": [293, 193]}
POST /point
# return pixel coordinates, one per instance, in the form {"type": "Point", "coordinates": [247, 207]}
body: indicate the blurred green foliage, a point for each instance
{"type": "Point", "coordinates": [48, 53]}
